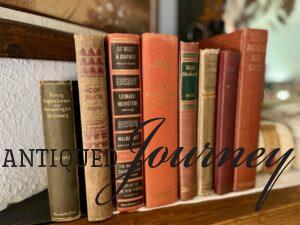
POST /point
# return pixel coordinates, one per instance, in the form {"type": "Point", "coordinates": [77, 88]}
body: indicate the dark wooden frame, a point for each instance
{"type": "Point", "coordinates": [19, 40]}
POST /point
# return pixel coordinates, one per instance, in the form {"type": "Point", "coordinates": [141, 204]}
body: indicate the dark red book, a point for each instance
{"type": "Point", "coordinates": [228, 71]}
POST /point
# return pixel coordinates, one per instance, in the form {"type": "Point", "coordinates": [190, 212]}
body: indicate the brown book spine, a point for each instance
{"type": "Point", "coordinates": [188, 103]}
{"type": "Point", "coordinates": [228, 71]}
{"type": "Point", "coordinates": [206, 116]}
{"type": "Point", "coordinates": [125, 94]}
{"type": "Point", "coordinates": [160, 100]}
{"type": "Point", "coordinates": [59, 133]}
{"type": "Point", "coordinates": [251, 43]}
{"type": "Point", "coordinates": [94, 121]}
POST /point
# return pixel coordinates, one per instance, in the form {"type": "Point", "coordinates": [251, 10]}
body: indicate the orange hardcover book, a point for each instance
{"type": "Point", "coordinates": [160, 100]}
{"type": "Point", "coordinates": [125, 94]}
{"type": "Point", "coordinates": [251, 43]}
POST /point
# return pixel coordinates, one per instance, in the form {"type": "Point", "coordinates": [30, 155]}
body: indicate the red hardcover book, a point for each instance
{"type": "Point", "coordinates": [188, 99]}
{"type": "Point", "coordinates": [125, 91]}
{"type": "Point", "coordinates": [228, 71]}
{"type": "Point", "coordinates": [252, 46]}
{"type": "Point", "coordinates": [160, 100]}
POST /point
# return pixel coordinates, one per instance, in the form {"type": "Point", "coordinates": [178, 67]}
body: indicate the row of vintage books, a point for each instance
{"type": "Point", "coordinates": [207, 92]}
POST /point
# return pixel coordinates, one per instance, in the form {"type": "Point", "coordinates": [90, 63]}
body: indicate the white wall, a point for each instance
{"type": "Point", "coordinates": [21, 121]}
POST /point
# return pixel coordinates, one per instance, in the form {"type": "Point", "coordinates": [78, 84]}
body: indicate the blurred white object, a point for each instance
{"type": "Point", "coordinates": [283, 95]}
{"type": "Point", "coordinates": [233, 13]}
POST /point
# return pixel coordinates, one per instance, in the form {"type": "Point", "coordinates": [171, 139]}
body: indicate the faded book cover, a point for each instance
{"type": "Point", "coordinates": [188, 103]}
{"type": "Point", "coordinates": [59, 134]}
{"type": "Point", "coordinates": [206, 116]}
{"type": "Point", "coordinates": [90, 59]}
{"type": "Point", "coordinates": [126, 107]}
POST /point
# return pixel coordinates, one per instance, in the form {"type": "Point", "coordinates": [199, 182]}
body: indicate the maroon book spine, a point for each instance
{"type": "Point", "coordinates": [228, 71]}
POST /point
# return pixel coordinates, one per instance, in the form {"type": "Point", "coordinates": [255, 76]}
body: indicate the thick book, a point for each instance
{"type": "Point", "coordinates": [59, 134]}
{"type": "Point", "coordinates": [160, 100]}
{"type": "Point", "coordinates": [228, 71]}
{"type": "Point", "coordinates": [188, 103]}
{"type": "Point", "coordinates": [90, 58]}
{"type": "Point", "coordinates": [206, 116]}
{"type": "Point", "coordinates": [251, 43]}
{"type": "Point", "coordinates": [125, 97]}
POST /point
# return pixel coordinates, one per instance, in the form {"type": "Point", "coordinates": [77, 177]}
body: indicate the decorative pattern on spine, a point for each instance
{"type": "Point", "coordinates": [59, 132]}
{"type": "Point", "coordinates": [94, 120]}
{"type": "Point", "coordinates": [125, 91]}
{"type": "Point", "coordinates": [206, 115]}
{"type": "Point", "coordinates": [188, 81]}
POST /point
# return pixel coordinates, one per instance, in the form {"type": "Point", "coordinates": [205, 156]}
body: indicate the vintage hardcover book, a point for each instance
{"type": "Point", "coordinates": [160, 100]}
{"type": "Point", "coordinates": [206, 116]}
{"type": "Point", "coordinates": [228, 71]}
{"type": "Point", "coordinates": [94, 121]}
{"type": "Point", "coordinates": [125, 94]}
{"type": "Point", "coordinates": [188, 103]}
{"type": "Point", "coordinates": [59, 133]}
{"type": "Point", "coordinates": [274, 135]}
{"type": "Point", "coordinates": [252, 45]}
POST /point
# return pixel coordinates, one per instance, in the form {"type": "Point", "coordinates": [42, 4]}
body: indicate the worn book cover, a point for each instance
{"type": "Point", "coordinates": [206, 116]}
{"type": "Point", "coordinates": [160, 100]}
{"type": "Point", "coordinates": [90, 59]}
{"type": "Point", "coordinates": [126, 107]}
{"type": "Point", "coordinates": [228, 71]}
{"type": "Point", "coordinates": [188, 103]}
{"type": "Point", "coordinates": [59, 133]}
{"type": "Point", "coordinates": [251, 43]}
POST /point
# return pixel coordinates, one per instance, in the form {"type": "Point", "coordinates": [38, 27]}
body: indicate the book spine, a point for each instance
{"type": "Point", "coordinates": [228, 71]}
{"type": "Point", "coordinates": [206, 116]}
{"type": "Point", "coordinates": [160, 100]}
{"type": "Point", "coordinates": [249, 102]}
{"type": "Point", "coordinates": [59, 133]}
{"type": "Point", "coordinates": [125, 94]}
{"type": "Point", "coordinates": [188, 103]}
{"type": "Point", "coordinates": [94, 121]}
